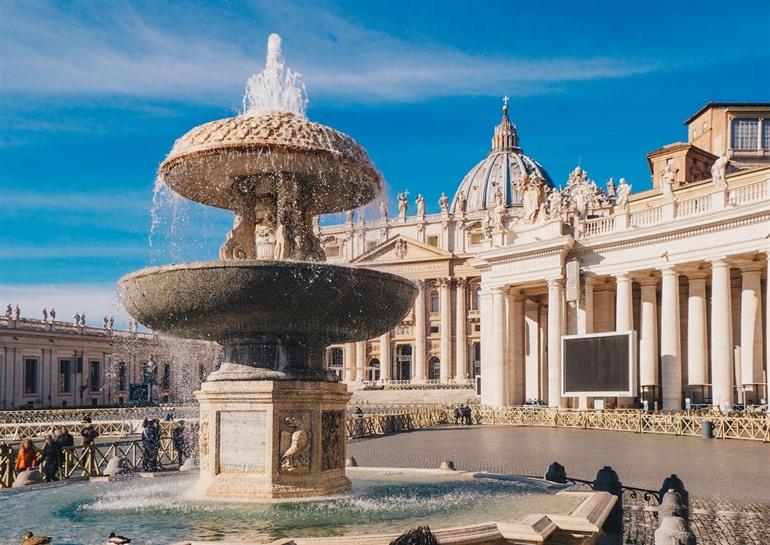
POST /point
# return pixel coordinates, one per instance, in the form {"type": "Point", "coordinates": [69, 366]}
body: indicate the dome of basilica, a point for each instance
{"type": "Point", "coordinates": [503, 167]}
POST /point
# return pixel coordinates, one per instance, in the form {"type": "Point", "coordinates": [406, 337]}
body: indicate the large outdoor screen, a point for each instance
{"type": "Point", "coordinates": [601, 364]}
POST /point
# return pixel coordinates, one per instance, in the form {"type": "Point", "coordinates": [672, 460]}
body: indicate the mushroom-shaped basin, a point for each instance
{"type": "Point", "coordinates": [223, 300]}
{"type": "Point", "coordinates": [210, 163]}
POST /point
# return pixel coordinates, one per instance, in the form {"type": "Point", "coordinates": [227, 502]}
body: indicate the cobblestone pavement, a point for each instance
{"type": "Point", "coordinates": [728, 481]}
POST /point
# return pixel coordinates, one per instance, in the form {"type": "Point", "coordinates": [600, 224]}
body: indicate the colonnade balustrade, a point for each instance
{"type": "Point", "coordinates": [723, 361]}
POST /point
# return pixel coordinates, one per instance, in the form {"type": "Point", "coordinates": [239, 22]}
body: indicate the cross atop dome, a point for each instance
{"type": "Point", "coordinates": [505, 137]}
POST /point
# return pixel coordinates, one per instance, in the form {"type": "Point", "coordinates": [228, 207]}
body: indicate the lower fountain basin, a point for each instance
{"type": "Point", "coordinates": [272, 315]}
{"type": "Point", "coordinates": [383, 501]}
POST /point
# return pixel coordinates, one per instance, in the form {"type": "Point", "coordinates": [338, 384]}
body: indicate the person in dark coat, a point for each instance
{"type": "Point", "coordinates": [179, 438]}
{"type": "Point", "coordinates": [467, 414]}
{"type": "Point", "coordinates": [88, 433]}
{"type": "Point", "coordinates": [150, 444]}
{"type": "Point", "coordinates": [50, 458]}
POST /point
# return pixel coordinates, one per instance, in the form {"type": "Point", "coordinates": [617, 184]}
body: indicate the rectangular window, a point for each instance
{"type": "Point", "coordinates": [433, 241]}
{"type": "Point", "coordinates": [332, 251]}
{"type": "Point", "coordinates": [79, 365]}
{"type": "Point", "coordinates": [122, 376]}
{"type": "Point", "coordinates": [744, 135]}
{"type": "Point", "coordinates": [766, 134]}
{"type": "Point", "coordinates": [30, 375]}
{"type": "Point", "coordinates": [65, 376]}
{"type": "Point", "coordinates": [165, 381]}
{"type": "Point", "coordinates": [96, 375]}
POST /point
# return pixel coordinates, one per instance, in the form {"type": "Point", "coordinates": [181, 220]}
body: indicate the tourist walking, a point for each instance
{"type": "Point", "coordinates": [50, 459]}
{"type": "Point", "coordinates": [27, 456]}
{"type": "Point", "coordinates": [459, 415]}
{"type": "Point", "coordinates": [467, 414]}
{"type": "Point", "coordinates": [179, 438]}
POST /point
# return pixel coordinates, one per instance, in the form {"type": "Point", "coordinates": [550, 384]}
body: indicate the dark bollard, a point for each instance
{"type": "Point", "coordinates": [607, 480]}
{"type": "Point", "coordinates": [556, 473]}
{"type": "Point", "coordinates": [707, 430]}
{"type": "Point", "coordinates": [419, 536]}
{"type": "Point", "coordinates": [674, 483]}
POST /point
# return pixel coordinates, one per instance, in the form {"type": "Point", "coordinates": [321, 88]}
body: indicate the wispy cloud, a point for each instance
{"type": "Point", "coordinates": [49, 51]}
{"type": "Point", "coordinates": [96, 300]}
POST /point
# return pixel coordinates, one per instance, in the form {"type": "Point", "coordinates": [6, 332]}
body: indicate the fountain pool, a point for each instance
{"type": "Point", "coordinates": [161, 510]}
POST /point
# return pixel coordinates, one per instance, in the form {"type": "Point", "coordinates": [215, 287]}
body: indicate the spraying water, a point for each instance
{"type": "Point", "coordinates": [276, 88]}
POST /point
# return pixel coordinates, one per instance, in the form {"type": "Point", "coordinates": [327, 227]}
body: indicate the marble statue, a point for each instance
{"type": "Point", "coordinates": [420, 201]}
{"type": "Point", "coordinates": [111, 322]}
{"type": "Point", "coordinates": [530, 187]}
{"type": "Point", "coordinates": [719, 171]}
{"type": "Point", "coordinates": [403, 204]}
{"type": "Point", "coordinates": [611, 188]}
{"type": "Point", "coordinates": [44, 315]}
{"type": "Point", "coordinates": [8, 311]}
{"type": "Point", "coordinates": [486, 224]}
{"type": "Point", "coordinates": [443, 203]}
{"type": "Point", "coordinates": [623, 194]}
{"type": "Point", "coordinates": [498, 195]}
{"type": "Point", "coordinates": [667, 181]}
{"type": "Point", "coordinates": [461, 202]}
{"type": "Point", "coordinates": [76, 319]}
{"type": "Point", "coordinates": [500, 216]}
{"type": "Point", "coordinates": [383, 210]}
{"type": "Point", "coordinates": [17, 313]}
{"type": "Point", "coordinates": [83, 319]}
{"type": "Point", "coordinates": [52, 314]}
{"type": "Point", "coordinates": [554, 204]}
{"type": "Point", "coordinates": [239, 243]}
{"type": "Point", "coordinates": [106, 322]}
{"type": "Point", "coordinates": [349, 216]}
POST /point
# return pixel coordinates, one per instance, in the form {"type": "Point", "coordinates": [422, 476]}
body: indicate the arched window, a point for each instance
{"type": "Point", "coordinates": [434, 302]}
{"type": "Point", "coordinates": [434, 368]}
{"type": "Point", "coordinates": [373, 372]}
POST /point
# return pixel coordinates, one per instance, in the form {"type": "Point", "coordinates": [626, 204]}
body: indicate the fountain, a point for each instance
{"type": "Point", "coordinates": [272, 417]}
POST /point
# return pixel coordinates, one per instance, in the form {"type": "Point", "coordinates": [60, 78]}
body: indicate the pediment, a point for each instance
{"type": "Point", "coordinates": [399, 249]}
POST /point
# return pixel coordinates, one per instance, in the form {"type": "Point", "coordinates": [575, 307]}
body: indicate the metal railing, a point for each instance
{"type": "Point", "coordinates": [189, 410]}
{"type": "Point", "coordinates": [110, 428]}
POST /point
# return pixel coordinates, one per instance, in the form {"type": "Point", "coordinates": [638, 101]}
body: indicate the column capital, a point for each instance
{"type": "Point", "coordinates": [647, 280]}
{"type": "Point", "coordinates": [498, 290]}
{"type": "Point", "coordinates": [420, 284]}
{"type": "Point", "coordinates": [622, 277]}
{"type": "Point", "coordinates": [443, 282]}
{"type": "Point", "coordinates": [719, 262]}
{"type": "Point", "coordinates": [750, 266]}
{"type": "Point", "coordinates": [556, 282]}
{"type": "Point", "coordinates": [461, 282]}
{"type": "Point", "coordinates": [669, 269]}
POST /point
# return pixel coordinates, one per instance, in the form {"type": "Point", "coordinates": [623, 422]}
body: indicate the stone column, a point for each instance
{"type": "Point", "coordinates": [461, 333]}
{"type": "Point", "coordinates": [532, 350]}
{"type": "Point", "coordinates": [751, 324]}
{"type": "Point", "coordinates": [499, 330]}
{"type": "Point", "coordinates": [648, 334]}
{"type": "Point", "coordinates": [360, 361]}
{"type": "Point", "coordinates": [349, 369]}
{"type": "Point", "coordinates": [386, 365]}
{"type": "Point", "coordinates": [721, 335]}
{"type": "Point", "coordinates": [624, 319]}
{"type": "Point", "coordinates": [585, 311]}
{"type": "Point", "coordinates": [670, 341]}
{"type": "Point", "coordinates": [697, 330]}
{"type": "Point", "coordinates": [419, 333]}
{"type": "Point", "coordinates": [767, 331]}
{"type": "Point", "coordinates": [516, 348]}
{"type": "Point", "coordinates": [555, 302]}
{"type": "Point", "coordinates": [445, 326]}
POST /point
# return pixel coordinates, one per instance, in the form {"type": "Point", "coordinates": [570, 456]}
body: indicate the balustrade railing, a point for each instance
{"type": "Point", "coordinates": [647, 216]}
{"type": "Point", "coordinates": [600, 226]}
{"type": "Point", "coordinates": [748, 193]}
{"type": "Point", "coordinates": [691, 207]}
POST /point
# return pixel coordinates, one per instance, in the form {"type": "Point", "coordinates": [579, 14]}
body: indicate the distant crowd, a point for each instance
{"type": "Point", "coordinates": [463, 415]}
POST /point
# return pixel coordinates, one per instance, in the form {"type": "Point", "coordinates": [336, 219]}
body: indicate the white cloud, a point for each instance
{"type": "Point", "coordinates": [96, 300]}
{"type": "Point", "coordinates": [51, 52]}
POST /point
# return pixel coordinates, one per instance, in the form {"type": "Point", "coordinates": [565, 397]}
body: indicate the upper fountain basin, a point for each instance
{"type": "Point", "coordinates": [220, 300]}
{"type": "Point", "coordinates": [206, 164]}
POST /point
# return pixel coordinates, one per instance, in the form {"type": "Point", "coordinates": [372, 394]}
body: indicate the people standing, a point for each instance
{"type": "Point", "coordinates": [179, 438]}
{"type": "Point", "coordinates": [27, 457]}
{"type": "Point", "coordinates": [467, 414]}
{"type": "Point", "coordinates": [150, 443]}
{"type": "Point", "coordinates": [64, 440]}
{"type": "Point", "coordinates": [50, 459]}
{"type": "Point", "coordinates": [88, 433]}
{"type": "Point", "coordinates": [459, 416]}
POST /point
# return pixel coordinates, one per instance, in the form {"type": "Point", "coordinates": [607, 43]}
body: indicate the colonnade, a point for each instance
{"type": "Point", "coordinates": [710, 358]}
{"type": "Point", "coordinates": [453, 338]}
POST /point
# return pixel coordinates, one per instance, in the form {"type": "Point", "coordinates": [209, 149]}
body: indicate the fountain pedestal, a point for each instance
{"type": "Point", "coordinates": [267, 439]}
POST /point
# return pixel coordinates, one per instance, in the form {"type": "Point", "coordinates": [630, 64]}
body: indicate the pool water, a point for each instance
{"type": "Point", "coordinates": [160, 511]}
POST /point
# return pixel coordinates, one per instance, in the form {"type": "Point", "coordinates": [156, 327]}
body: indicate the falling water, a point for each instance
{"type": "Point", "coordinates": [276, 87]}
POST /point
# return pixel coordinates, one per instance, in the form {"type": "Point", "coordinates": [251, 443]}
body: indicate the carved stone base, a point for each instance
{"type": "Point", "coordinates": [262, 439]}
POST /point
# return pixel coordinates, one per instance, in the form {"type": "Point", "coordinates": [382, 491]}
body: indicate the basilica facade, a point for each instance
{"type": "Point", "coordinates": [684, 265]}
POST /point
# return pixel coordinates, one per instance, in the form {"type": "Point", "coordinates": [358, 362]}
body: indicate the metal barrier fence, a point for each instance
{"type": "Point", "coordinates": [105, 428]}
{"type": "Point", "coordinates": [373, 424]}
{"type": "Point", "coordinates": [189, 410]}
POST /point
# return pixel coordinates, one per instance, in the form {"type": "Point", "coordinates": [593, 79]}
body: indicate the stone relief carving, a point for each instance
{"type": "Point", "coordinates": [554, 201]}
{"type": "Point", "coordinates": [582, 195]}
{"type": "Point", "coordinates": [332, 439]}
{"type": "Point", "coordinates": [295, 439]}
{"type": "Point", "coordinates": [486, 224]}
{"type": "Point", "coordinates": [530, 187]}
{"type": "Point", "coordinates": [719, 171]}
{"type": "Point", "coordinates": [401, 248]}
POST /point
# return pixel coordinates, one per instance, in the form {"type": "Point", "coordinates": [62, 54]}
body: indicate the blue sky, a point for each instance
{"type": "Point", "coordinates": [93, 94]}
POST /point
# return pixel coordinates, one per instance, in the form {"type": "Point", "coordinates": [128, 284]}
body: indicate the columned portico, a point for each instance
{"type": "Point", "coordinates": [445, 329]}
{"type": "Point", "coordinates": [461, 341]}
{"type": "Point", "coordinates": [721, 335]}
{"type": "Point", "coordinates": [670, 341]}
{"type": "Point", "coordinates": [419, 334]}
{"type": "Point", "coordinates": [555, 305]}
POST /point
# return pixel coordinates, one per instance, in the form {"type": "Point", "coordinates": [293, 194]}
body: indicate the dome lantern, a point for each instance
{"type": "Point", "coordinates": [505, 138]}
